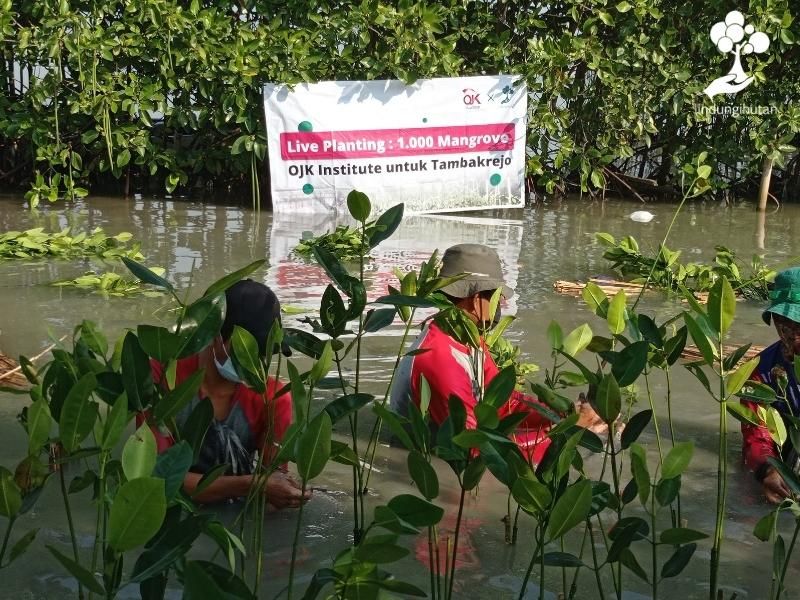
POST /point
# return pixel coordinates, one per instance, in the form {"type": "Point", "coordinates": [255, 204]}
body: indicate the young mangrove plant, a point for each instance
{"type": "Point", "coordinates": [667, 273]}
{"type": "Point", "coordinates": [83, 401]}
{"type": "Point", "coordinates": [37, 243]}
{"type": "Point", "coordinates": [111, 284]}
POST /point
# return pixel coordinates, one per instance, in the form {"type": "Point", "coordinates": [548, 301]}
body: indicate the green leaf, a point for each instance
{"type": "Point", "coordinates": [201, 324]}
{"type": "Point", "coordinates": [209, 477]}
{"type": "Point", "coordinates": [703, 343]}
{"type": "Point", "coordinates": [145, 275]}
{"type": "Point", "coordinates": [635, 427]}
{"type": "Point", "coordinates": [10, 496]}
{"type": "Point", "coordinates": [630, 363]}
{"type": "Point", "coordinates": [423, 474]}
{"type": "Point", "coordinates": [616, 313]}
{"type": "Point", "coordinates": [667, 490]}
{"type": "Point", "coordinates": [136, 513]}
{"type": "Point", "coordinates": [677, 460]}
{"type": "Point", "coordinates": [175, 401]}
{"type": "Point", "coordinates": [378, 552]}
{"type": "Point", "coordinates": [395, 423]}
{"type": "Point", "coordinates": [139, 453]}
{"type": "Point", "coordinates": [742, 413]}
{"type": "Point", "coordinates": [555, 336]}
{"type": "Point", "coordinates": [766, 526]}
{"type": "Point", "coordinates": [416, 511]}
{"type": "Point", "coordinates": [172, 544]}
{"type": "Point", "coordinates": [359, 206]}
{"type": "Point", "coordinates": [624, 533]}
{"type": "Point", "coordinates": [470, 438]}
{"type": "Point", "coordinates": [137, 378]}
{"type": "Point", "coordinates": [386, 225]}
{"type": "Point", "coordinates": [158, 342]}
{"type": "Point", "coordinates": [628, 559]}
{"type": "Point", "coordinates": [640, 472]}
{"type": "Point", "coordinates": [595, 299]}
{"type": "Point", "coordinates": [172, 466]}
{"type": "Point", "coordinates": [473, 473]}
{"type": "Point", "coordinates": [94, 339]}
{"type": "Point", "coordinates": [39, 424]}
{"type": "Point", "coordinates": [500, 387]}
{"type": "Point", "coordinates": [332, 312]}
{"type": "Point", "coordinates": [78, 414]}
{"type": "Point", "coordinates": [322, 365]}
{"type": "Point", "coordinates": [677, 562]}
{"type": "Point", "coordinates": [681, 535]}
{"type": "Point", "coordinates": [84, 577]}
{"type": "Point", "coordinates": [313, 448]}
{"type": "Point", "coordinates": [674, 346]}
{"type": "Point", "coordinates": [608, 399]}
{"type": "Point", "coordinates": [379, 319]}
{"type": "Point", "coordinates": [335, 270]}
{"type": "Point", "coordinates": [347, 405]}
{"type": "Point", "coordinates": [205, 580]}
{"type": "Point", "coordinates": [570, 509]}
{"type": "Point", "coordinates": [21, 545]}
{"type": "Point", "coordinates": [197, 424]}
{"type": "Point", "coordinates": [577, 340]}
{"type": "Point", "coordinates": [721, 305]}
{"type": "Point", "coordinates": [228, 280]}
{"type": "Point", "coordinates": [737, 379]}
{"type": "Point", "coordinates": [245, 350]}
{"type": "Point", "coordinates": [533, 496]}
{"type": "Point", "coordinates": [734, 357]}
{"type": "Point", "coordinates": [388, 519]}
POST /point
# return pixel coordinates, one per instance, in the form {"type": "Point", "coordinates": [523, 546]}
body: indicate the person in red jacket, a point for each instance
{"type": "Point", "coordinates": [776, 369]}
{"type": "Point", "coordinates": [245, 422]}
{"type": "Point", "coordinates": [454, 369]}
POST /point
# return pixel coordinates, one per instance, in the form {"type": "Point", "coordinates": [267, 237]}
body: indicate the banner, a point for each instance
{"type": "Point", "coordinates": [439, 145]}
{"type": "Point", "coordinates": [300, 283]}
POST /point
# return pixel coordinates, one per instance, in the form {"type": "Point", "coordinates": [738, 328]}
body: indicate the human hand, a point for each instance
{"type": "Point", "coordinates": [284, 491]}
{"type": "Point", "coordinates": [774, 487]}
{"type": "Point", "coordinates": [588, 418]}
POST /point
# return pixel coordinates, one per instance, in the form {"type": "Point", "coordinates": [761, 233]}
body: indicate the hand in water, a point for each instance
{"type": "Point", "coordinates": [284, 491]}
{"type": "Point", "coordinates": [774, 487]}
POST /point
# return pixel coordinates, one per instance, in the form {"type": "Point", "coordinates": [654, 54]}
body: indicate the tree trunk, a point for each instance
{"type": "Point", "coordinates": [766, 177]}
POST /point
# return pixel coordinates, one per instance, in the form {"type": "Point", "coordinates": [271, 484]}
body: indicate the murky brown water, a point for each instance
{"type": "Point", "coordinates": [538, 246]}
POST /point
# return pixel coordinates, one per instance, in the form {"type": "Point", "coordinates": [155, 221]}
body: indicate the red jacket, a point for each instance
{"type": "Point", "coordinates": [448, 368]}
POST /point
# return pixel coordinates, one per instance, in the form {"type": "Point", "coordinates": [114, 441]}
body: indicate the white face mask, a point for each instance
{"type": "Point", "coordinates": [226, 369]}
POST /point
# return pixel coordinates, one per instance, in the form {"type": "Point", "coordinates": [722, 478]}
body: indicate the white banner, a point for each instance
{"type": "Point", "coordinates": [439, 145]}
{"type": "Point", "coordinates": [300, 283]}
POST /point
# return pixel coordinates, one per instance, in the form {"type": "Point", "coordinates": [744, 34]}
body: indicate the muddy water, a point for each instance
{"type": "Point", "coordinates": [198, 243]}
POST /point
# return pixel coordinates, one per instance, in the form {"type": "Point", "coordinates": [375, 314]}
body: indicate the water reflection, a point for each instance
{"type": "Point", "coordinates": [537, 247]}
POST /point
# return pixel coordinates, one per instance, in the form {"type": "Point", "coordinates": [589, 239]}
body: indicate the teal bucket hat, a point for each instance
{"type": "Point", "coordinates": [785, 296]}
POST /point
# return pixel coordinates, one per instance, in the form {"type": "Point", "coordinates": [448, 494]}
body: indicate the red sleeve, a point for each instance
{"type": "Point", "coordinates": [757, 443]}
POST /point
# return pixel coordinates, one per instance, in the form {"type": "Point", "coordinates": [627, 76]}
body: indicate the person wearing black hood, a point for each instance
{"type": "Point", "coordinates": [245, 422]}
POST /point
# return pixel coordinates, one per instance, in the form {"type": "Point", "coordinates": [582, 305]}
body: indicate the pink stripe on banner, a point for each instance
{"type": "Point", "coordinates": [377, 143]}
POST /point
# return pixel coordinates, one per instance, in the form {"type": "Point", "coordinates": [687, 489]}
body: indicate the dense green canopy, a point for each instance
{"type": "Point", "coordinates": [616, 86]}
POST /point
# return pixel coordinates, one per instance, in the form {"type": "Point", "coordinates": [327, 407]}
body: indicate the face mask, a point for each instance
{"type": "Point", "coordinates": [226, 369]}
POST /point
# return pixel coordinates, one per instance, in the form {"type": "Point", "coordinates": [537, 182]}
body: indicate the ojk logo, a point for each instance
{"type": "Point", "coordinates": [732, 36]}
{"type": "Point", "coordinates": [472, 99]}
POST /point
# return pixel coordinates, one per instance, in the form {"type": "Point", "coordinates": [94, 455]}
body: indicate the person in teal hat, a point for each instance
{"type": "Point", "coordinates": [776, 369]}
